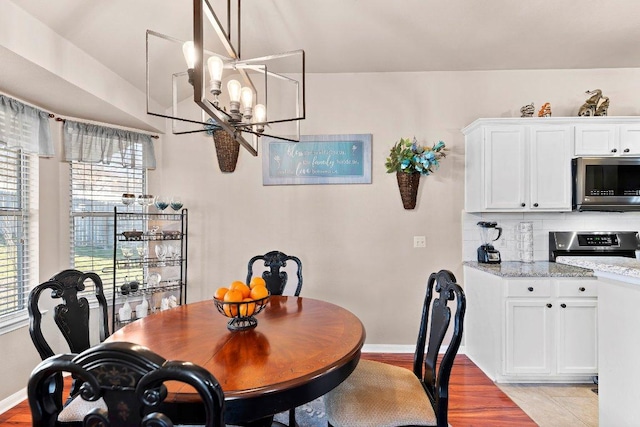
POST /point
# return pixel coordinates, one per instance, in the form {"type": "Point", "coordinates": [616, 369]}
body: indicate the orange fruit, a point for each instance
{"type": "Point", "coordinates": [240, 286]}
{"type": "Point", "coordinates": [259, 292]}
{"type": "Point", "coordinates": [230, 310]}
{"type": "Point", "coordinates": [220, 292]}
{"type": "Point", "coordinates": [248, 309]}
{"type": "Point", "coordinates": [233, 295]}
{"type": "Point", "coordinates": [255, 281]}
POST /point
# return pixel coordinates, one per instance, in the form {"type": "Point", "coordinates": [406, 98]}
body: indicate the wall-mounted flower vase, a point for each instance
{"type": "Point", "coordinates": [408, 185]}
{"type": "Point", "coordinates": [227, 150]}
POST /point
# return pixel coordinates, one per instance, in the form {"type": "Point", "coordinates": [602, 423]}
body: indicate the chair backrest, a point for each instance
{"type": "Point", "coordinates": [431, 335]}
{"type": "Point", "coordinates": [71, 315]}
{"type": "Point", "coordinates": [129, 378]}
{"type": "Point", "coordinates": [275, 277]}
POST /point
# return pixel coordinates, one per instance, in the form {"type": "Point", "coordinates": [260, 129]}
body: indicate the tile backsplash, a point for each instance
{"type": "Point", "coordinates": [543, 223]}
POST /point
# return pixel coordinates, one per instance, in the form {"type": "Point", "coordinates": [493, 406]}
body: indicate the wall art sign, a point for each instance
{"type": "Point", "coordinates": [317, 159]}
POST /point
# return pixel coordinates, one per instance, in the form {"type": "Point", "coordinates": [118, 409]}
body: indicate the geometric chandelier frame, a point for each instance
{"type": "Point", "coordinates": [276, 81]}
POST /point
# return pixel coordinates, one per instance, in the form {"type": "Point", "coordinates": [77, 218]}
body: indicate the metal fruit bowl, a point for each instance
{"type": "Point", "coordinates": [241, 313]}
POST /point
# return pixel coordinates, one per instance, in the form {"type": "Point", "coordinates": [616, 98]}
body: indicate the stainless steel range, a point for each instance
{"type": "Point", "coordinates": [593, 243]}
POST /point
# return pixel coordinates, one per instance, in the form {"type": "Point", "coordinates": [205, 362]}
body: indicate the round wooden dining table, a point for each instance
{"type": "Point", "coordinates": [300, 349]}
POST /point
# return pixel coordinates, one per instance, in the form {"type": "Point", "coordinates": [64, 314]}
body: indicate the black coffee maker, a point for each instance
{"type": "Point", "coordinates": [487, 254]}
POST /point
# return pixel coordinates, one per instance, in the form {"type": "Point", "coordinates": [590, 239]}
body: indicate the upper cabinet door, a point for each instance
{"type": "Point", "coordinates": [629, 140]}
{"type": "Point", "coordinates": [596, 140]}
{"type": "Point", "coordinates": [550, 168]}
{"type": "Point", "coordinates": [504, 168]}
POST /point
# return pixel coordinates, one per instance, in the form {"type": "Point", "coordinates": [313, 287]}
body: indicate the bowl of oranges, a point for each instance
{"type": "Point", "coordinates": [241, 302]}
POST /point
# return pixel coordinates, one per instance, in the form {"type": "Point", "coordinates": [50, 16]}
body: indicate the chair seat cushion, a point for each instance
{"type": "Point", "coordinates": [78, 407]}
{"type": "Point", "coordinates": [380, 395]}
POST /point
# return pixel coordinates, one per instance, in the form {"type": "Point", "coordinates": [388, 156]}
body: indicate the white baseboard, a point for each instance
{"type": "Point", "coordinates": [398, 348]}
{"type": "Point", "coordinates": [388, 348]}
{"type": "Point", "coordinates": [13, 400]}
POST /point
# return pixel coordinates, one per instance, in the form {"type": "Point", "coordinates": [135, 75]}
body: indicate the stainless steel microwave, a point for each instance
{"type": "Point", "coordinates": [606, 183]}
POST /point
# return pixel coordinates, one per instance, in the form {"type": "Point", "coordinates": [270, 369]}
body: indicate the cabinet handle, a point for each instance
{"type": "Point", "coordinates": [581, 289]}
{"type": "Point", "coordinates": [535, 205]}
{"type": "Point", "coordinates": [614, 150]}
{"type": "Point", "coordinates": [523, 205]}
{"type": "Point", "coordinates": [626, 150]}
{"type": "Point", "coordinates": [563, 305]}
{"type": "Point", "coordinates": [530, 288]}
{"type": "Point", "coordinates": [549, 305]}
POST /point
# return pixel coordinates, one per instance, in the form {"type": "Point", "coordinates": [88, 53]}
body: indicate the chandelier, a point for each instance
{"type": "Point", "coordinates": [246, 98]}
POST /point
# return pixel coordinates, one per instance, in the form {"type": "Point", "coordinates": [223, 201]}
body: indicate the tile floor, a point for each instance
{"type": "Point", "coordinates": [556, 405]}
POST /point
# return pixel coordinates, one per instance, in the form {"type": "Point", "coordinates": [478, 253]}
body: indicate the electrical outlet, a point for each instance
{"type": "Point", "coordinates": [419, 242]}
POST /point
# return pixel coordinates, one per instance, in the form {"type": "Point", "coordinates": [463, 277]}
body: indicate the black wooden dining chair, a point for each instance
{"type": "Point", "coordinates": [71, 315]}
{"type": "Point", "coordinates": [130, 379]}
{"type": "Point", "coordinates": [382, 395]}
{"type": "Point", "coordinates": [275, 276]}
{"type": "Point", "coordinates": [276, 279]}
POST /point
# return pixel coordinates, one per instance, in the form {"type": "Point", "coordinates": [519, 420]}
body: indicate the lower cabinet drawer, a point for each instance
{"type": "Point", "coordinates": [577, 288]}
{"type": "Point", "coordinates": [528, 288]}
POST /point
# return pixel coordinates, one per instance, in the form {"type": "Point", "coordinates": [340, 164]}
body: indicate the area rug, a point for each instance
{"type": "Point", "coordinates": [308, 415]}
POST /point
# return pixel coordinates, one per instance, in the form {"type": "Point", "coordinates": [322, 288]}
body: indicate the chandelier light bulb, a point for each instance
{"type": "Point", "coordinates": [260, 113]}
{"type": "Point", "coordinates": [189, 52]}
{"type": "Point", "coordinates": [215, 66]}
{"type": "Point", "coordinates": [260, 116]}
{"type": "Point", "coordinates": [246, 97]}
{"type": "Point", "coordinates": [234, 87]}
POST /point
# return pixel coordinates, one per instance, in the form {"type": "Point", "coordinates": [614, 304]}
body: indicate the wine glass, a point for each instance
{"type": "Point", "coordinates": [161, 203]}
{"type": "Point", "coordinates": [161, 254]}
{"type": "Point", "coordinates": [176, 203]}
{"type": "Point", "coordinates": [145, 200]}
{"type": "Point", "coordinates": [172, 252]}
{"type": "Point", "coordinates": [142, 252]}
{"type": "Point", "coordinates": [153, 280]}
{"type": "Point", "coordinates": [128, 199]}
{"type": "Point", "coordinates": [127, 252]}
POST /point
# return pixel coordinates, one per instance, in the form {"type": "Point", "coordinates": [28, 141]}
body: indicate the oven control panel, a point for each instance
{"type": "Point", "coordinates": [598, 240]}
{"type": "Point", "coordinates": [593, 243]}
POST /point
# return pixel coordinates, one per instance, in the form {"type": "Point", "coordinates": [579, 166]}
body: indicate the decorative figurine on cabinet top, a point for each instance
{"type": "Point", "coordinates": [603, 107]}
{"type": "Point", "coordinates": [527, 110]}
{"type": "Point", "coordinates": [596, 105]}
{"type": "Point", "coordinates": [545, 110]}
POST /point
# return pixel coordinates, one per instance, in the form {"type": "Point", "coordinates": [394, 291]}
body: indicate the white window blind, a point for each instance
{"type": "Point", "coordinates": [15, 230]}
{"type": "Point", "coordinates": [22, 130]}
{"type": "Point", "coordinates": [96, 188]}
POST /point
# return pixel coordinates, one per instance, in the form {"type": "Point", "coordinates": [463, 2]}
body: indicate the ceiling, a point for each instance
{"type": "Point", "coordinates": [353, 36]}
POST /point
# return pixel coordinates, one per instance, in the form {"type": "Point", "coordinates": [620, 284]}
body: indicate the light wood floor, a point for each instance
{"type": "Point", "coordinates": [474, 400]}
{"type": "Point", "coordinates": [552, 405]}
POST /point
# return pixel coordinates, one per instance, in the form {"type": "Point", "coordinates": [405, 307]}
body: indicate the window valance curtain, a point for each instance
{"type": "Point", "coordinates": [92, 143]}
{"type": "Point", "coordinates": [25, 127]}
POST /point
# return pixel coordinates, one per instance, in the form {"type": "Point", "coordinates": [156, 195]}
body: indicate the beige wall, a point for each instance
{"type": "Point", "coordinates": [355, 241]}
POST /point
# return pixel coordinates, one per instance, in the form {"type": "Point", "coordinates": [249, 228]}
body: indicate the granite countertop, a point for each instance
{"type": "Point", "coordinates": [533, 269]}
{"type": "Point", "coordinates": [629, 267]}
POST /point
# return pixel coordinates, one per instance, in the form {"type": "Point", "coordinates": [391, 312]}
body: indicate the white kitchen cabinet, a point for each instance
{"type": "Point", "coordinates": [577, 350]}
{"type": "Point", "coordinates": [550, 168]}
{"type": "Point", "coordinates": [531, 329]}
{"type": "Point", "coordinates": [524, 164]}
{"type": "Point", "coordinates": [529, 335]}
{"type": "Point", "coordinates": [505, 167]}
{"type": "Point", "coordinates": [600, 140]}
{"type": "Point", "coordinates": [519, 169]}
